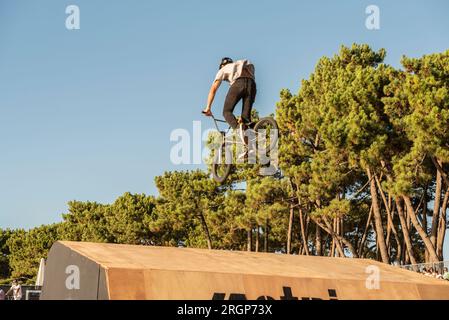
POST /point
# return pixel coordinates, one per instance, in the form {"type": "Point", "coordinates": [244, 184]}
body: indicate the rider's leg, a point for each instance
{"type": "Point", "coordinates": [247, 105]}
{"type": "Point", "coordinates": [235, 93]}
{"type": "Point", "coordinates": [248, 100]}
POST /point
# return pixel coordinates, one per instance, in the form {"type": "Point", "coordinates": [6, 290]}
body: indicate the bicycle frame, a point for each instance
{"type": "Point", "coordinates": [218, 120]}
{"type": "Point", "coordinates": [250, 147]}
{"type": "Point", "coordinates": [231, 141]}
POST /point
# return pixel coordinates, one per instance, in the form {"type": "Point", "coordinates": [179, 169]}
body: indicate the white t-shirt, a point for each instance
{"type": "Point", "coordinates": [17, 292]}
{"type": "Point", "coordinates": [233, 71]}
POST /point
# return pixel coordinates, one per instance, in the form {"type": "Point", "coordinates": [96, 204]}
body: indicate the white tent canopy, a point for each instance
{"type": "Point", "coordinates": [40, 273]}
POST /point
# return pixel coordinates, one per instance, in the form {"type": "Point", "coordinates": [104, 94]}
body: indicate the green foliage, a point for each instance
{"type": "Point", "coordinates": [336, 209]}
{"type": "Point", "coordinates": [4, 253]}
{"type": "Point", "coordinates": [187, 205]}
{"type": "Point", "coordinates": [355, 114]}
{"type": "Point", "coordinates": [417, 101]}
{"type": "Point", "coordinates": [28, 247]}
{"type": "Point", "coordinates": [127, 219]}
{"type": "Point", "coordinates": [265, 199]}
{"type": "Point", "coordinates": [335, 126]}
{"type": "Point", "coordinates": [85, 221]}
{"type": "Point", "coordinates": [229, 223]}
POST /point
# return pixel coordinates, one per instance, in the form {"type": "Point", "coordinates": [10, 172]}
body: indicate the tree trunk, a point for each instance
{"type": "Point", "coordinates": [424, 222]}
{"type": "Point", "coordinates": [404, 251]}
{"type": "Point", "coordinates": [377, 243]}
{"type": "Point", "coordinates": [339, 229]}
{"type": "Point", "coordinates": [439, 167]}
{"type": "Point", "coordinates": [206, 231]}
{"type": "Point", "coordinates": [436, 207]}
{"type": "Point", "coordinates": [307, 231]}
{"type": "Point", "coordinates": [365, 233]}
{"type": "Point", "coordinates": [303, 231]}
{"type": "Point", "coordinates": [428, 244]}
{"type": "Point", "coordinates": [318, 240]}
{"type": "Point", "coordinates": [388, 239]}
{"type": "Point", "coordinates": [442, 226]}
{"type": "Point", "coordinates": [332, 250]}
{"type": "Point", "coordinates": [407, 245]}
{"type": "Point", "coordinates": [397, 238]}
{"type": "Point", "coordinates": [249, 240]}
{"type": "Point", "coordinates": [341, 226]}
{"type": "Point", "coordinates": [328, 229]}
{"type": "Point", "coordinates": [389, 217]}
{"type": "Point", "coordinates": [318, 246]}
{"type": "Point", "coordinates": [265, 243]}
{"type": "Point", "coordinates": [405, 232]}
{"type": "Point", "coordinates": [257, 239]}
{"type": "Point", "coordinates": [290, 227]}
{"type": "Point", "coordinates": [407, 258]}
{"type": "Point", "coordinates": [378, 219]}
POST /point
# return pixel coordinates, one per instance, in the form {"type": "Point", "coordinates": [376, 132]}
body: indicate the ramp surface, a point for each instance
{"type": "Point", "coordinates": [81, 270]}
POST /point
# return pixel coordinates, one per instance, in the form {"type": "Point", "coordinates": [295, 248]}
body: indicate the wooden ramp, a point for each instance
{"type": "Point", "coordinates": [81, 270]}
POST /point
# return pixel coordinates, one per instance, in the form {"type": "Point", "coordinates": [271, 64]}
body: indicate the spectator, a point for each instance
{"type": "Point", "coordinates": [426, 272]}
{"type": "Point", "coordinates": [16, 289]}
{"type": "Point", "coordinates": [2, 294]}
{"type": "Point", "coordinates": [446, 274]}
{"type": "Point", "coordinates": [434, 273]}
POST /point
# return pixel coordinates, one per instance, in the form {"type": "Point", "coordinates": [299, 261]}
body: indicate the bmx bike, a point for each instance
{"type": "Point", "coordinates": [247, 140]}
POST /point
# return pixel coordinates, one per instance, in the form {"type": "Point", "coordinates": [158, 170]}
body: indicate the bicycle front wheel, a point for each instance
{"type": "Point", "coordinates": [221, 166]}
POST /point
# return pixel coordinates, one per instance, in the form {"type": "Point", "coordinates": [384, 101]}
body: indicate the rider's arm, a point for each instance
{"type": "Point", "coordinates": [211, 96]}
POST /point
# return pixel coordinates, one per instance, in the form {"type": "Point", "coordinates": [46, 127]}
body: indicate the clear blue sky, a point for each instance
{"type": "Point", "coordinates": [87, 114]}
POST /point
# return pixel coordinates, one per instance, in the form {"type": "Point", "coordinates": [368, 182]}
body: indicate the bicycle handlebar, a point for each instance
{"type": "Point", "coordinates": [215, 119]}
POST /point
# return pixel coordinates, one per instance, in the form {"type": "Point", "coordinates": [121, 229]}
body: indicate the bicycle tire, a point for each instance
{"type": "Point", "coordinates": [274, 124]}
{"type": "Point", "coordinates": [218, 176]}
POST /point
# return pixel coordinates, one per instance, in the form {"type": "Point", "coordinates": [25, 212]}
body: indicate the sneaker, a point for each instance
{"type": "Point", "coordinates": [246, 153]}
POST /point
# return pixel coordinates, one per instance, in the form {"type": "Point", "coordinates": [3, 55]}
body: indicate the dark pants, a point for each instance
{"type": "Point", "coordinates": [244, 89]}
